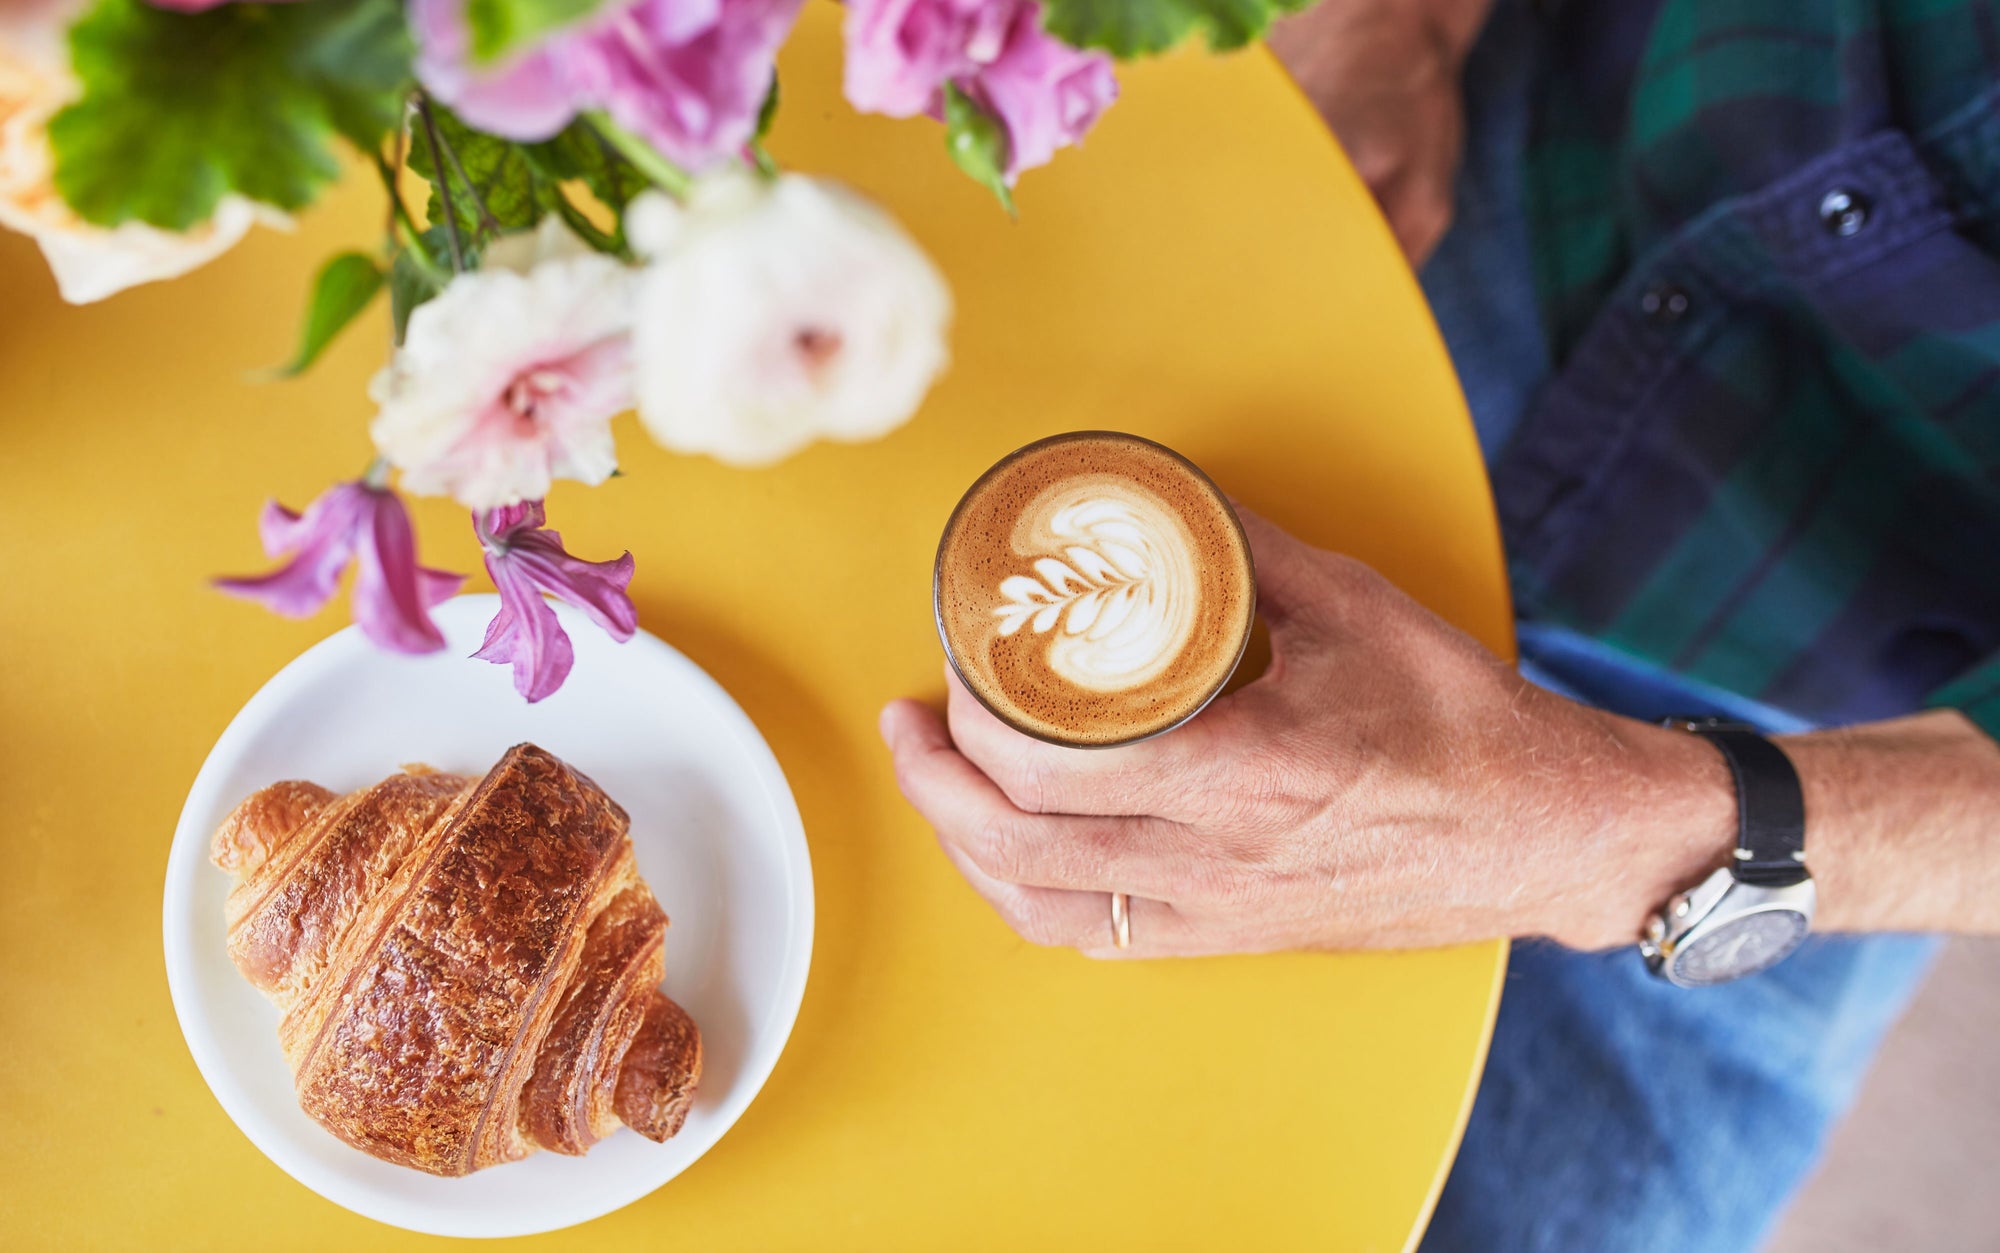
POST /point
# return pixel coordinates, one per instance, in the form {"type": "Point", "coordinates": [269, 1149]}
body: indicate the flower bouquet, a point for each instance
{"type": "Point", "coordinates": [580, 219]}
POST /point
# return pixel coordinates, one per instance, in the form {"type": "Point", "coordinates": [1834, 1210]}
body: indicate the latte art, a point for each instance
{"type": "Point", "coordinates": [1120, 596]}
{"type": "Point", "coordinates": [1093, 589]}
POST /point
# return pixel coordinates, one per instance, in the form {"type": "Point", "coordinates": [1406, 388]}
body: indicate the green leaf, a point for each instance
{"type": "Point", "coordinates": [346, 285]}
{"type": "Point", "coordinates": [181, 109]}
{"type": "Point", "coordinates": [502, 181]}
{"type": "Point", "coordinates": [580, 153]}
{"type": "Point", "coordinates": [767, 112]}
{"type": "Point", "coordinates": [977, 142]}
{"type": "Point", "coordinates": [412, 281]}
{"type": "Point", "coordinates": [1130, 28]}
{"type": "Point", "coordinates": [500, 26]}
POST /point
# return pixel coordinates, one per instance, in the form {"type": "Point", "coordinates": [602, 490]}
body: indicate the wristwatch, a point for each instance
{"type": "Point", "coordinates": [1754, 912]}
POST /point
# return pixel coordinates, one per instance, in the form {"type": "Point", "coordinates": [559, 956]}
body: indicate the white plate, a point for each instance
{"type": "Point", "coordinates": [718, 837]}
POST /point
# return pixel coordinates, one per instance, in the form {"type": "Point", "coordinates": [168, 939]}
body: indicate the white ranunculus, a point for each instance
{"type": "Point", "coordinates": [508, 379]}
{"type": "Point", "coordinates": [89, 262]}
{"type": "Point", "coordinates": [772, 312]}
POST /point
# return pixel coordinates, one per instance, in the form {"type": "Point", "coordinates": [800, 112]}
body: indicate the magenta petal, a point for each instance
{"type": "Point", "coordinates": [298, 589]}
{"type": "Point", "coordinates": [321, 541]}
{"type": "Point", "coordinates": [280, 530]}
{"type": "Point", "coordinates": [526, 633]}
{"type": "Point", "coordinates": [390, 603]}
{"type": "Point", "coordinates": [596, 587]}
{"type": "Point", "coordinates": [498, 646]}
{"type": "Point", "coordinates": [501, 523]}
{"type": "Point", "coordinates": [438, 586]}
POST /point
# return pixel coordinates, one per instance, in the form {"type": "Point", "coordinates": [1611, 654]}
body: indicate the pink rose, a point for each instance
{"type": "Point", "coordinates": [1044, 93]}
{"type": "Point", "coordinates": [901, 53]}
{"type": "Point", "coordinates": [688, 76]}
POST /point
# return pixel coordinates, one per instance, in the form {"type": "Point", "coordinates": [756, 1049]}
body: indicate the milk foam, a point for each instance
{"type": "Point", "coordinates": [1117, 586]}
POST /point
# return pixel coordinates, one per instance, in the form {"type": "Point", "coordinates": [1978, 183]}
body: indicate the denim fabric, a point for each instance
{"type": "Point", "coordinates": [1620, 1114]}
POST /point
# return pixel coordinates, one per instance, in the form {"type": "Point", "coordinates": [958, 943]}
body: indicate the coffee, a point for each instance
{"type": "Point", "coordinates": [1094, 588]}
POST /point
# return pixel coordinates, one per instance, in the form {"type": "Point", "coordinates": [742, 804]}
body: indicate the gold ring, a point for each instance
{"type": "Point", "coordinates": [1121, 920]}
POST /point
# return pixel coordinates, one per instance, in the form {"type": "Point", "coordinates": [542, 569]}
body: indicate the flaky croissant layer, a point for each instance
{"type": "Point", "coordinates": [467, 969]}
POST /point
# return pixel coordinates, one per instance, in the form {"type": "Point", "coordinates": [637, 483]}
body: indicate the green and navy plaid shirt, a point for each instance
{"type": "Point", "coordinates": [1767, 243]}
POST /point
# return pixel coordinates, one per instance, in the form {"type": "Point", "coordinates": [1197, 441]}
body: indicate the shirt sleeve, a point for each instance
{"type": "Point", "coordinates": [1976, 694]}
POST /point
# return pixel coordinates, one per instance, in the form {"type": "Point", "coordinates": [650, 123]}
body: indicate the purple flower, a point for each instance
{"type": "Point", "coordinates": [688, 76]}
{"type": "Point", "coordinates": [1044, 93]}
{"type": "Point", "coordinates": [368, 525]}
{"type": "Point", "coordinates": [526, 561]}
{"type": "Point", "coordinates": [901, 53]}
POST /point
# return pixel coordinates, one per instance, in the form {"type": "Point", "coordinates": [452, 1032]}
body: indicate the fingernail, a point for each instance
{"type": "Point", "coordinates": [885, 724]}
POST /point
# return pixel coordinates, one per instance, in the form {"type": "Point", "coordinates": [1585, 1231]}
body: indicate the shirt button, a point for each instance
{"type": "Point", "coordinates": [1843, 212]}
{"type": "Point", "coordinates": [1664, 303]}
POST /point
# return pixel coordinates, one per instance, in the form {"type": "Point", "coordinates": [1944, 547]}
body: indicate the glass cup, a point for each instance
{"type": "Point", "coordinates": [1094, 589]}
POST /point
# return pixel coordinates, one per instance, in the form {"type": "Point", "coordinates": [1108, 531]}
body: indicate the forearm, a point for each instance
{"type": "Point", "coordinates": [1903, 824]}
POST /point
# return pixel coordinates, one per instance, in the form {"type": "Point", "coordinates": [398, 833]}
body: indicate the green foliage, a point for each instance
{"type": "Point", "coordinates": [977, 142]}
{"type": "Point", "coordinates": [181, 109]}
{"type": "Point", "coordinates": [500, 26]}
{"type": "Point", "coordinates": [579, 153]}
{"type": "Point", "coordinates": [767, 112]}
{"type": "Point", "coordinates": [412, 280]}
{"type": "Point", "coordinates": [492, 183]}
{"type": "Point", "coordinates": [497, 186]}
{"type": "Point", "coordinates": [1130, 28]}
{"type": "Point", "coordinates": [346, 285]}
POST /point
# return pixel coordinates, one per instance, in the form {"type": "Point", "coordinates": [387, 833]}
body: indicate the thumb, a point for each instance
{"type": "Point", "coordinates": [912, 726]}
{"type": "Point", "coordinates": [1284, 568]}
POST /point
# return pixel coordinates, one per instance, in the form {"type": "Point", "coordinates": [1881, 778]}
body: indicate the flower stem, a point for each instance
{"type": "Point", "coordinates": [641, 154]}
{"type": "Point", "coordinates": [443, 185]}
{"type": "Point", "coordinates": [487, 222]}
{"type": "Point", "coordinates": [377, 474]}
{"type": "Point", "coordinates": [401, 213]}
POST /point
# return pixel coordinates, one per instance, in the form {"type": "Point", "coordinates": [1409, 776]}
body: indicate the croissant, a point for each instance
{"type": "Point", "coordinates": [467, 969]}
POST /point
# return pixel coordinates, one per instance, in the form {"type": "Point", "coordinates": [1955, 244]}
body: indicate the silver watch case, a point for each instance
{"type": "Point", "coordinates": [1722, 929]}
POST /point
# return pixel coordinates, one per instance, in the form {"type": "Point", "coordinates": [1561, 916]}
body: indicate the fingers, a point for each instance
{"type": "Point", "coordinates": [1057, 918]}
{"type": "Point", "coordinates": [1190, 775]}
{"type": "Point", "coordinates": [1165, 777]}
{"type": "Point", "coordinates": [980, 827]}
{"type": "Point", "coordinates": [1290, 577]}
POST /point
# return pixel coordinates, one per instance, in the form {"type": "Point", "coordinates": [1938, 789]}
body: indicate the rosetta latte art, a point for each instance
{"type": "Point", "coordinates": [1118, 587]}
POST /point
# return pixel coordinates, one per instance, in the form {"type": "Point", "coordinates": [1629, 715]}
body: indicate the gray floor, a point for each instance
{"type": "Point", "coordinates": [1913, 1167]}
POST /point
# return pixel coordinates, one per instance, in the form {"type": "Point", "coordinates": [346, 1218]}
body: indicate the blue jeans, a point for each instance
{"type": "Point", "coordinates": [1620, 1114]}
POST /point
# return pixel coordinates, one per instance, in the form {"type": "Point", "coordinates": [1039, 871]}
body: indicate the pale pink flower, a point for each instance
{"type": "Point", "coordinates": [776, 311]}
{"type": "Point", "coordinates": [364, 524]}
{"type": "Point", "coordinates": [509, 378]}
{"type": "Point", "coordinates": [527, 561]}
{"type": "Point", "coordinates": [1044, 93]}
{"type": "Point", "coordinates": [687, 76]}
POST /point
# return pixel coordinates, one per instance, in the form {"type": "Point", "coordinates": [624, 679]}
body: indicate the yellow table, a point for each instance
{"type": "Point", "coordinates": [1206, 271]}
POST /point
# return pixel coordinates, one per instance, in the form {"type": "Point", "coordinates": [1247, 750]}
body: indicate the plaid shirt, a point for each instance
{"type": "Point", "coordinates": [1767, 244]}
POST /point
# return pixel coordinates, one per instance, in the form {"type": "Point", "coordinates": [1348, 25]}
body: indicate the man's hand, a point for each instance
{"type": "Point", "coordinates": [1385, 76]}
{"type": "Point", "coordinates": [1386, 783]}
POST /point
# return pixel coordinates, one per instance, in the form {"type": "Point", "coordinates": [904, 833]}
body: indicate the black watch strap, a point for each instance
{"type": "Point", "coordinates": [1770, 803]}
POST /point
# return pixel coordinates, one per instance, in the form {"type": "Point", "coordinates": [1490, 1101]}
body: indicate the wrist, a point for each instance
{"type": "Point", "coordinates": [1665, 819]}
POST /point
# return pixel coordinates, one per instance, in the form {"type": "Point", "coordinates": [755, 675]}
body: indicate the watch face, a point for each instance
{"type": "Point", "coordinates": [1740, 947]}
